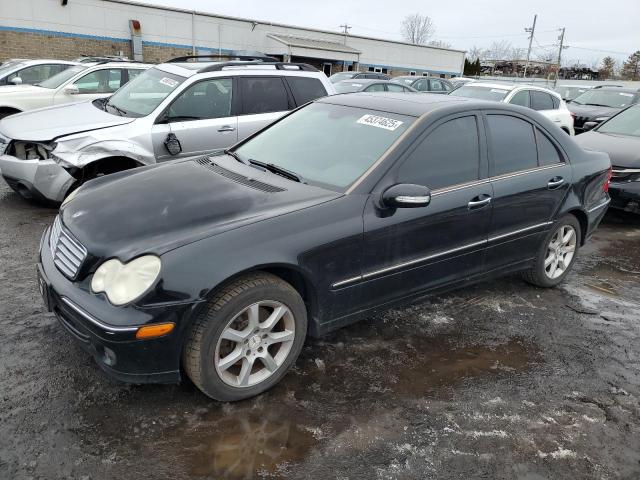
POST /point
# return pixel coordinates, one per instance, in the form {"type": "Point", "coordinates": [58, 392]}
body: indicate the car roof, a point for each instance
{"type": "Point", "coordinates": [413, 105]}
{"type": "Point", "coordinates": [116, 64]}
{"type": "Point", "coordinates": [511, 86]}
{"type": "Point", "coordinates": [189, 69]}
{"type": "Point", "coordinates": [364, 81]}
{"type": "Point", "coordinates": [619, 89]}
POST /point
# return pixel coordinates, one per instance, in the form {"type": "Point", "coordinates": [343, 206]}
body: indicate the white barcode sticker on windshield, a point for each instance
{"type": "Point", "coordinates": [169, 82]}
{"type": "Point", "coordinates": [380, 122]}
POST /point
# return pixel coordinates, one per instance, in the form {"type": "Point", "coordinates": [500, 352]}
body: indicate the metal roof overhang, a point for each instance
{"type": "Point", "coordinates": [316, 48]}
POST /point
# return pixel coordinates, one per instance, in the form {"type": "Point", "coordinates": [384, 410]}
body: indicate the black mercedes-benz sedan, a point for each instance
{"type": "Point", "coordinates": [220, 266]}
{"type": "Point", "coordinates": [619, 137]}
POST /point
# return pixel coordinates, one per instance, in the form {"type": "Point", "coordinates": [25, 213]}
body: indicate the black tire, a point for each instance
{"type": "Point", "coordinates": [536, 275]}
{"type": "Point", "coordinates": [201, 342]}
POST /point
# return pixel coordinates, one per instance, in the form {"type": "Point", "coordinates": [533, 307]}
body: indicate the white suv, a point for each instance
{"type": "Point", "coordinates": [75, 84]}
{"type": "Point", "coordinates": [172, 110]}
{"type": "Point", "coordinates": [545, 101]}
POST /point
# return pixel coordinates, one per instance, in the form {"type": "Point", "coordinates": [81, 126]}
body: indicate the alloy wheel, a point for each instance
{"type": "Point", "coordinates": [255, 343]}
{"type": "Point", "coordinates": [560, 251]}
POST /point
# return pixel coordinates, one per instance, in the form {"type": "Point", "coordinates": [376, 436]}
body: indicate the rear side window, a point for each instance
{"type": "Point", "coordinates": [421, 85]}
{"type": "Point", "coordinates": [513, 145]}
{"type": "Point", "coordinates": [436, 86]}
{"type": "Point", "coordinates": [556, 102]}
{"type": "Point", "coordinates": [521, 98]}
{"type": "Point", "coordinates": [448, 156]}
{"type": "Point", "coordinates": [263, 95]}
{"type": "Point", "coordinates": [376, 87]}
{"type": "Point", "coordinates": [392, 87]}
{"type": "Point", "coordinates": [541, 101]}
{"type": "Point", "coordinates": [306, 89]}
{"type": "Point", "coordinates": [100, 81]}
{"type": "Point", "coordinates": [547, 151]}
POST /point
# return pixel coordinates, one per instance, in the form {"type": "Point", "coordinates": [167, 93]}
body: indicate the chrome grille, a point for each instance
{"type": "Point", "coordinates": [68, 254]}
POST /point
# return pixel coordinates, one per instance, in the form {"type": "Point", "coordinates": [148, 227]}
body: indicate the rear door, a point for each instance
{"type": "Point", "coordinates": [201, 118]}
{"type": "Point", "coordinates": [262, 100]}
{"type": "Point", "coordinates": [530, 178]}
{"type": "Point", "coordinates": [408, 250]}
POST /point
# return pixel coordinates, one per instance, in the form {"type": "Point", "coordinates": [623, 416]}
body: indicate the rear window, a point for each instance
{"type": "Point", "coordinates": [306, 89]}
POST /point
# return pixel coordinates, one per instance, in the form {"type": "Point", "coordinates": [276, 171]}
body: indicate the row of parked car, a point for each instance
{"type": "Point", "coordinates": [294, 211]}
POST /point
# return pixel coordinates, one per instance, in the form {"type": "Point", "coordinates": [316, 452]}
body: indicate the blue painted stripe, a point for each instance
{"type": "Point", "coordinates": [54, 33]}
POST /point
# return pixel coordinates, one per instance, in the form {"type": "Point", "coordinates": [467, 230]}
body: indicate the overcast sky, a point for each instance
{"type": "Point", "coordinates": [594, 28]}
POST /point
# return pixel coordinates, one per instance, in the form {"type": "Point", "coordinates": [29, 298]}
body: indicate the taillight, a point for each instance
{"type": "Point", "coordinates": [605, 187]}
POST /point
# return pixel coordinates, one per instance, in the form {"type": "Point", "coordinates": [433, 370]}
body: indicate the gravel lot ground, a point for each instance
{"type": "Point", "coordinates": [502, 380]}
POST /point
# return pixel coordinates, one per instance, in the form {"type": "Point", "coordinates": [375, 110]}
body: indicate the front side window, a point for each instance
{"type": "Point", "coordinates": [263, 95]}
{"type": "Point", "coordinates": [328, 145]}
{"type": "Point", "coordinates": [100, 81]}
{"type": "Point", "coordinates": [142, 95]}
{"type": "Point", "coordinates": [306, 89]}
{"type": "Point", "coordinates": [450, 155]}
{"type": "Point", "coordinates": [436, 86]}
{"type": "Point", "coordinates": [203, 100]}
{"type": "Point", "coordinates": [134, 72]}
{"type": "Point", "coordinates": [421, 85]}
{"type": "Point", "coordinates": [348, 87]}
{"type": "Point", "coordinates": [512, 144]}
{"type": "Point", "coordinates": [376, 87]}
{"type": "Point", "coordinates": [36, 73]}
{"type": "Point", "coordinates": [392, 87]}
{"type": "Point", "coordinates": [521, 98]}
{"type": "Point", "coordinates": [541, 100]}
{"type": "Point", "coordinates": [481, 93]}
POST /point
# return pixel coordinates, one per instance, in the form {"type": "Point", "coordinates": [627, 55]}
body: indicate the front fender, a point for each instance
{"type": "Point", "coordinates": [79, 153]}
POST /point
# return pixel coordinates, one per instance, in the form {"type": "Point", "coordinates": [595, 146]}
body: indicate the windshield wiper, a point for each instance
{"type": "Point", "coordinates": [120, 111]}
{"type": "Point", "coordinates": [283, 172]}
{"type": "Point", "coordinates": [236, 156]}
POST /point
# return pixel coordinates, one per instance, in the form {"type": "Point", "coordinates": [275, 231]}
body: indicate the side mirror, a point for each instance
{"type": "Point", "coordinates": [16, 81]}
{"type": "Point", "coordinates": [589, 125]}
{"type": "Point", "coordinates": [71, 90]}
{"type": "Point", "coordinates": [406, 195]}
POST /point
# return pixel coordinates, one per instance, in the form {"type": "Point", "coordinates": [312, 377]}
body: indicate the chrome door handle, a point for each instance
{"type": "Point", "coordinates": [481, 202]}
{"type": "Point", "coordinates": [227, 128]}
{"type": "Point", "coordinates": [555, 182]}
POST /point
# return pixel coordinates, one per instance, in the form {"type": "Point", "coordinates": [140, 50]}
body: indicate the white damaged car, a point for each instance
{"type": "Point", "coordinates": [173, 110]}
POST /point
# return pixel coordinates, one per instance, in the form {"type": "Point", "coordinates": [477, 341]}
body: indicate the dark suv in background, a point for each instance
{"type": "Point", "coordinates": [599, 104]}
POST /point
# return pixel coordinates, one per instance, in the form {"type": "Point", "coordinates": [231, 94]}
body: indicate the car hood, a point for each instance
{"type": "Point", "coordinates": [158, 208]}
{"type": "Point", "coordinates": [624, 150]}
{"type": "Point", "coordinates": [592, 111]}
{"type": "Point", "coordinates": [49, 123]}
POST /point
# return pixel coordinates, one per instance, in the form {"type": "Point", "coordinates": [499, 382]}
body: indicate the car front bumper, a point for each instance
{"type": "Point", "coordinates": [43, 180]}
{"type": "Point", "coordinates": [625, 196]}
{"type": "Point", "coordinates": [108, 332]}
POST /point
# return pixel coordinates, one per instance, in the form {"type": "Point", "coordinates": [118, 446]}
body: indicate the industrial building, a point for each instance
{"type": "Point", "coordinates": [69, 28]}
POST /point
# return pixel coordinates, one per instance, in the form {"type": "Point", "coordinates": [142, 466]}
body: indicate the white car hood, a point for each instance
{"type": "Point", "coordinates": [49, 123]}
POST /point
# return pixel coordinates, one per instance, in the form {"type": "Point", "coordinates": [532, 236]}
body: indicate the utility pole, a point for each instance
{"type": "Point", "coordinates": [531, 30]}
{"type": "Point", "coordinates": [561, 38]}
{"type": "Point", "coordinates": [346, 29]}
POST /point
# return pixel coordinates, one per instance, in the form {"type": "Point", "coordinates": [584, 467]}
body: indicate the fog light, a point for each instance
{"type": "Point", "coordinates": [109, 357]}
{"type": "Point", "coordinates": [153, 331]}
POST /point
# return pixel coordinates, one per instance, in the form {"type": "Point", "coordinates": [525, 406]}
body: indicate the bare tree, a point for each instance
{"type": "Point", "coordinates": [475, 53]}
{"type": "Point", "coordinates": [500, 50]}
{"type": "Point", "coordinates": [439, 44]}
{"type": "Point", "coordinates": [417, 29]}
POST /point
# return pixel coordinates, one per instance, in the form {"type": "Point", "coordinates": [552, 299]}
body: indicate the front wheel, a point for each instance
{"type": "Point", "coordinates": [246, 338]}
{"type": "Point", "coordinates": [556, 254]}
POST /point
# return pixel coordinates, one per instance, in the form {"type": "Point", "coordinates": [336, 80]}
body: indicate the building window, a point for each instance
{"type": "Point", "coordinates": [371, 69]}
{"type": "Point", "coordinates": [377, 69]}
{"type": "Point", "coordinates": [425, 74]}
{"type": "Point", "coordinates": [442, 75]}
{"type": "Point", "coordinates": [412, 73]}
{"type": "Point", "coordinates": [384, 70]}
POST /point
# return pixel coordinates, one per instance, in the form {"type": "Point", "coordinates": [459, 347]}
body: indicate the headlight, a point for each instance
{"type": "Point", "coordinates": [123, 283]}
{"type": "Point", "coordinates": [33, 150]}
{"type": "Point", "coordinates": [70, 197]}
{"type": "Point", "coordinates": [601, 119]}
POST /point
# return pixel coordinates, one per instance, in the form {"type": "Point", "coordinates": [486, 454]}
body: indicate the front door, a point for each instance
{"type": "Point", "coordinates": [408, 250]}
{"type": "Point", "coordinates": [530, 179]}
{"type": "Point", "coordinates": [201, 119]}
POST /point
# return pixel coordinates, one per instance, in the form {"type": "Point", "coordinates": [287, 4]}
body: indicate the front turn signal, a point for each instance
{"type": "Point", "coordinates": [154, 331]}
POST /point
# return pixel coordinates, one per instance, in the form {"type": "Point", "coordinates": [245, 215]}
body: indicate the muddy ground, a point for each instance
{"type": "Point", "coordinates": [502, 380]}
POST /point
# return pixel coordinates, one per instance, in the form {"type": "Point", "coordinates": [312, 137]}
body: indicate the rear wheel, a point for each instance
{"type": "Point", "coordinates": [557, 253]}
{"type": "Point", "coordinates": [246, 338]}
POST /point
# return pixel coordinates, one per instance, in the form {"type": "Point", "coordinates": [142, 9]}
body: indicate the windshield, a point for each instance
{"type": "Point", "coordinates": [481, 93]}
{"type": "Point", "coordinates": [327, 145]}
{"type": "Point", "coordinates": [569, 93]}
{"type": "Point", "coordinates": [9, 67]}
{"type": "Point", "coordinates": [348, 87]}
{"type": "Point", "coordinates": [605, 98]}
{"type": "Point", "coordinates": [143, 94]}
{"type": "Point", "coordinates": [626, 122]}
{"type": "Point", "coordinates": [338, 77]}
{"type": "Point", "coordinates": [62, 77]}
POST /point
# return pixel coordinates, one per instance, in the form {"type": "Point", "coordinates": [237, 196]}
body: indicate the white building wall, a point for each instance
{"type": "Point", "coordinates": [168, 27]}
